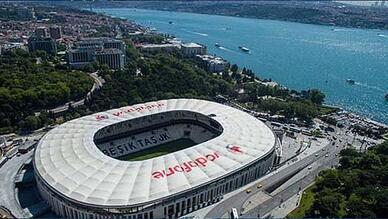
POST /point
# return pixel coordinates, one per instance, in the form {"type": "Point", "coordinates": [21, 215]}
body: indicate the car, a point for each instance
{"type": "Point", "coordinates": [327, 155]}
{"type": "Point", "coordinates": [323, 149]}
{"type": "Point", "coordinates": [309, 167]}
{"type": "Point", "coordinates": [336, 155]}
{"type": "Point", "coordinates": [259, 186]}
{"type": "Point", "coordinates": [316, 155]}
{"type": "Point", "coordinates": [248, 191]}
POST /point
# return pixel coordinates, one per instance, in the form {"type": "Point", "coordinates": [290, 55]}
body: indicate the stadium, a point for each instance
{"type": "Point", "coordinates": [160, 159]}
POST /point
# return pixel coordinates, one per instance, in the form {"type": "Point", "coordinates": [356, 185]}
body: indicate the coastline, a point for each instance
{"type": "Point", "coordinates": [326, 13]}
{"type": "Point", "coordinates": [341, 109]}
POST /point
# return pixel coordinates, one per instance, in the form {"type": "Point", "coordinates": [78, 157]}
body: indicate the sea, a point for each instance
{"type": "Point", "coordinates": [298, 56]}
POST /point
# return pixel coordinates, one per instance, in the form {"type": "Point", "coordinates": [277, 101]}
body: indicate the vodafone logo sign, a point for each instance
{"type": "Point", "coordinates": [101, 117]}
{"type": "Point", "coordinates": [234, 149]}
{"type": "Point", "coordinates": [188, 166]}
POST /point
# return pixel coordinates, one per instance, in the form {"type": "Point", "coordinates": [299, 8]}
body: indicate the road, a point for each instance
{"type": "Point", "coordinates": [308, 177]}
{"type": "Point", "coordinates": [239, 199]}
{"type": "Point", "coordinates": [98, 83]}
{"type": "Point", "coordinates": [7, 187]}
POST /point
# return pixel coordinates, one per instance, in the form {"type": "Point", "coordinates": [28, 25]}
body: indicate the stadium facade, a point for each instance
{"type": "Point", "coordinates": [80, 173]}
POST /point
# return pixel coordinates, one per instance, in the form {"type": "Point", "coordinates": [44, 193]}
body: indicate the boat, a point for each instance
{"type": "Point", "coordinates": [217, 45]}
{"type": "Point", "coordinates": [350, 81]}
{"type": "Point", "coordinates": [386, 97]}
{"type": "Point", "coordinates": [170, 22]}
{"type": "Point", "coordinates": [244, 49]}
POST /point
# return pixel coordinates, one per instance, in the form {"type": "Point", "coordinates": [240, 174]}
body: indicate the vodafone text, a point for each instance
{"type": "Point", "coordinates": [187, 166]}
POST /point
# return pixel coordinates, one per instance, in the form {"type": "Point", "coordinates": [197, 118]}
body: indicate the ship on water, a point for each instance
{"type": "Point", "coordinates": [244, 49]}
{"type": "Point", "coordinates": [350, 81]}
{"type": "Point", "coordinates": [217, 45]}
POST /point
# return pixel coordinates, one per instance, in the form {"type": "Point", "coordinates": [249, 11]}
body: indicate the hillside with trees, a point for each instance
{"type": "Point", "coordinates": [29, 84]}
{"type": "Point", "coordinates": [157, 76]}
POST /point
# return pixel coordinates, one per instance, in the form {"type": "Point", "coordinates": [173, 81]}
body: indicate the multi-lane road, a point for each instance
{"type": "Point", "coordinates": [308, 167]}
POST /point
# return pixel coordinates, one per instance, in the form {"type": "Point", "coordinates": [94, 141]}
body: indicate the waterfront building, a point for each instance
{"type": "Point", "coordinates": [167, 47]}
{"type": "Point", "coordinates": [212, 64]}
{"type": "Point", "coordinates": [46, 44]}
{"type": "Point", "coordinates": [193, 49]}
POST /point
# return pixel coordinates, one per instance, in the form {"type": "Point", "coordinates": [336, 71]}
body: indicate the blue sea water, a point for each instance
{"type": "Point", "coordinates": [299, 56]}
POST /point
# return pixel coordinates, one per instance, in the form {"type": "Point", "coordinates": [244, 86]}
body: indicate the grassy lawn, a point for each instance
{"type": "Point", "coordinates": [159, 150]}
{"type": "Point", "coordinates": [305, 204]}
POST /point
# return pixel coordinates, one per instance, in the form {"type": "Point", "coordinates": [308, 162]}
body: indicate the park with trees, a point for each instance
{"type": "Point", "coordinates": [358, 188]}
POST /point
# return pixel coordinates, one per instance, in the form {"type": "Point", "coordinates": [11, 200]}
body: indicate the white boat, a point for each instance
{"type": "Point", "coordinates": [244, 49]}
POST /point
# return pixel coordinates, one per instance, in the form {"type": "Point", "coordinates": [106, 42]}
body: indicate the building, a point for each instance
{"type": "Point", "coordinates": [82, 170]}
{"type": "Point", "coordinates": [55, 32]}
{"type": "Point", "coordinates": [79, 58]}
{"type": "Point", "coordinates": [212, 64]}
{"type": "Point", "coordinates": [46, 44]}
{"type": "Point", "coordinates": [11, 47]}
{"type": "Point", "coordinates": [193, 49]}
{"type": "Point", "coordinates": [113, 58]}
{"type": "Point", "coordinates": [25, 13]}
{"type": "Point", "coordinates": [41, 32]}
{"type": "Point", "coordinates": [101, 42]}
{"type": "Point", "coordinates": [102, 50]}
{"type": "Point", "coordinates": [167, 47]}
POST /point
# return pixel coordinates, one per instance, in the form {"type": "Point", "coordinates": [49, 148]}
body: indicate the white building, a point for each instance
{"type": "Point", "coordinates": [167, 47]}
{"type": "Point", "coordinates": [193, 49]}
{"type": "Point", "coordinates": [213, 64]}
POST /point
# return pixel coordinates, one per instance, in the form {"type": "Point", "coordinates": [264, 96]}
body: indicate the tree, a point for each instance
{"type": "Point", "coordinates": [356, 207]}
{"type": "Point", "coordinates": [328, 179]}
{"type": "Point", "coordinates": [381, 207]}
{"type": "Point", "coordinates": [234, 68]}
{"type": "Point", "coordinates": [31, 123]}
{"type": "Point", "coordinates": [327, 204]}
{"type": "Point", "coordinates": [370, 161]}
{"type": "Point", "coordinates": [316, 96]}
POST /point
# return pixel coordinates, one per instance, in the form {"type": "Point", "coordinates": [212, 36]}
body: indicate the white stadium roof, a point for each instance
{"type": "Point", "coordinates": [70, 163]}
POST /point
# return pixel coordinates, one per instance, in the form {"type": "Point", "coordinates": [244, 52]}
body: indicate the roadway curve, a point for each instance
{"type": "Point", "coordinates": [98, 83]}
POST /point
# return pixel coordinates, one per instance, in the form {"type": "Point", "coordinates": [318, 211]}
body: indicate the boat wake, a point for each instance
{"type": "Point", "coordinates": [198, 33]}
{"type": "Point", "coordinates": [226, 49]}
{"type": "Point", "coordinates": [369, 86]}
{"type": "Point", "coordinates": [342, 30]}
{"type": "Point", "coordinates": [383, 36]}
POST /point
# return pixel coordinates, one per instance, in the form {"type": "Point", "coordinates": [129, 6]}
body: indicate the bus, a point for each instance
{"type": "Point", "coordinates": [234, 213]}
